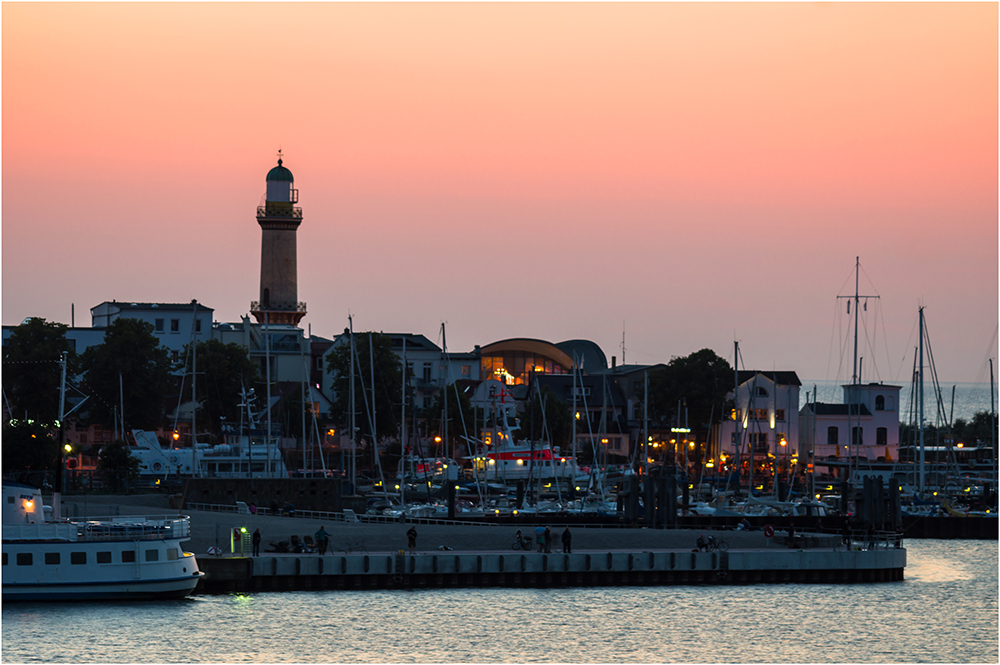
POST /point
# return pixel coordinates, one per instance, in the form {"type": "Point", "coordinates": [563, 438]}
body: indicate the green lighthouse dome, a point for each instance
{"type": "Point", "coordinates": [279, 174]}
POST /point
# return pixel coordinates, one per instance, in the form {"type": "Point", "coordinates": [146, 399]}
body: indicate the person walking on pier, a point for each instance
{"type": "Point", "coordinates": [567, 541]}
{"type": "Point", "coordinates": [411, 539]}
{"type": "Point", "coordinates": [540, 537]}
{"type": "Point", "coordinates": [322, 540]}
{"type": "Point", "coordinates": [255, 541]}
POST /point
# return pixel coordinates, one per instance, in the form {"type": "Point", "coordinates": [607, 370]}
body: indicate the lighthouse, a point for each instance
{"type": "Point", "coordinates": [279, 221]}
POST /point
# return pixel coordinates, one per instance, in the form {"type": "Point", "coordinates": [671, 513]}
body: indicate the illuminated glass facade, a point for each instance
{"type": "Point", "coordinates": [513, 361]}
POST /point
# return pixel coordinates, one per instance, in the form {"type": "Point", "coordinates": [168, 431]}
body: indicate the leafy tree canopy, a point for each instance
{"type": "Point", "coordinates": [224, 370]}
{"type": "Point", "coordinates": [31, 371]}
{"type": "Point", "coordinates": [461, 418]}
{"type": "Point", "coordinates": [701, 380]}
{"type": "Point", "coordinates": [131, 351]}
{"type": "Point", "coordinates": [388, 379]}
{"type": "Point", "coordinates": [123, 468]}
{"type": "Point", "coordinates": [553, 423]}
{"type": "Point", "coordinates": [29, 447]}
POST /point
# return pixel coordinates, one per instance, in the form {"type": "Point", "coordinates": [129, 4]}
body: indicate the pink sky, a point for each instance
{"type": "Point", "coordinates": [688, 173]}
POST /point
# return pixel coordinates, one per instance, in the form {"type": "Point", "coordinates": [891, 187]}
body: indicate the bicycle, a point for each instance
{"type": "Point", "coordinates": [716, 545]}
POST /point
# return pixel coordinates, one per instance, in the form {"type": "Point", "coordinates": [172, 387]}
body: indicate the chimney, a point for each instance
{"type": "Point", "coordinates": [614, 362]}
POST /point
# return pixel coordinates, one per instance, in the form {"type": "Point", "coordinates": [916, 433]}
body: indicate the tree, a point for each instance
{"type": "Point", "coordinates": [32, 373]}
{"type": "Point", "coordinates": [558, 421]}
{"type": "Point", "coordinates": [224, 370]}
{"type": "Point", "coordinates": [388, 377]}
{"type": "Point", "coordinates": [700, 380]}
{"type": "Point", "coordinates": [29, 446]}
{"type": "Point", "coordinates": [120, 468]}
{"type": "Point", "coordinates": [461, 419]}
{"type": "Point", "coordinates": [132, 352]}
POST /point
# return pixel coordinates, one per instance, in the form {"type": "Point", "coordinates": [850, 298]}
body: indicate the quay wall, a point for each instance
{"type": "Point", "coordinates": [387, 570]}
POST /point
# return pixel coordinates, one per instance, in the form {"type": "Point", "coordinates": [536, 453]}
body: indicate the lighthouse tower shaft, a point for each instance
{"type": "Point", "coordinates": [279, 221]}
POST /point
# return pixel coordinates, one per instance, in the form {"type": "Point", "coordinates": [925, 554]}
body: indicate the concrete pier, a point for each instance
{"type": "Point", "coordinates": [388, 570]}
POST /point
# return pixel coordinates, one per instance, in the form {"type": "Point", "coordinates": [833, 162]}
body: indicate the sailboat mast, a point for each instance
{"type": "Point", "coordinates": [645, 424]}
{"type": "Point", "coordinates": [350, 401]}
{"type": "Point", "coordinates": [444, 392]}
{"type": "Point", "coordinates": [993, 427]}
{"type": "Point", "coordinates": [402, 434]}
{"type": "Point", "coordinates": [920, 397]}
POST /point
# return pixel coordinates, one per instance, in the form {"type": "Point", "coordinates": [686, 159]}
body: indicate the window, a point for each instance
{"type": "Point", "coordinates": [158, 325]}
{"type": "Point", "coordinates": [172, 554]}
{"type": "Point", "coordinates": [152, 555]}
{"type": "Point", "coordinates": [128, 556]}
{"type": "Point", "coordinates": [104, 557]}
{"type": "Point", "coordinates": [78, 558]}
{"type": "Point", "coordinates": [175, 325]}
{"type": "Point", "coordinates": [24, 558]}
{"type": "Point", "coordinates": [427, 372]}
{"type": "Point", "coordinates": [197, 325]}
{"type": "Point", "coordinates": [466, 370]}
{"type": "Point", "coordinates": [881, 436]}
{"type": "Point", "coordinates": [880, 403]}
{"type": "Point", "coordinates": [175, 356]}
{"type": "Point", "coordinates": [4, 558]}
{"type": "Point", "coordinates": [832, 436]}
{"type": "Point", "coordinates": [761, 391]}
{"type": "Point", "coordinates": [52, 558]}
{"type": "Point", "coordinates": [779, 414]}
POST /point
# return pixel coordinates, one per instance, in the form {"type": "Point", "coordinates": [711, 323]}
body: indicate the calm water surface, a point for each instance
{"type": "Point", "coordinates": [945, 611]}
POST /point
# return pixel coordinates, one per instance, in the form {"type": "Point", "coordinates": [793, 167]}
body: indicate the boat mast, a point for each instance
{"type": "Point", "coordinates": [353, 463]}
{"type": "Point", "coordinates": [444, 396]}
{"type": "Point", "coordinates": [993, 430]}
{"type": "Point", "coordinates": [920, 397]}
{"type": "Point", "coordinates": [645, 424]}
{"type": "Point", "coordinates": [57, 490]}
{"type": "Point", "coordinates": [402, 435]}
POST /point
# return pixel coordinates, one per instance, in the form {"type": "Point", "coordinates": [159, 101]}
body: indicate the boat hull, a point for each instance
{"type": "Point", "coordinates": [131, 590]}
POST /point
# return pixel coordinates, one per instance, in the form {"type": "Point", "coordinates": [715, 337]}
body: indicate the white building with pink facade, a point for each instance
{"type": "Point", "coordinates": [865, 425]}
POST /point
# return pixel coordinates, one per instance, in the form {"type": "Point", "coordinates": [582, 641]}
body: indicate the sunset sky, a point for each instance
{"type": "Point", "coordinates": [686, 174]}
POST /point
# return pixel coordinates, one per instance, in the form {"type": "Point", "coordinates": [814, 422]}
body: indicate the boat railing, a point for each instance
{"type": "Point", "coordinates": [133, 528]}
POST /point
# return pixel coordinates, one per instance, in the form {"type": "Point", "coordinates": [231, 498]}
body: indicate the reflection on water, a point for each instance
{"type": "Point", "coordinates": [946, 611]}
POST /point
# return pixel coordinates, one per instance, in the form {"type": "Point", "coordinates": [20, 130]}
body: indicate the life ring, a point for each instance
{"type": "Point", "coordinates": [769, 530]}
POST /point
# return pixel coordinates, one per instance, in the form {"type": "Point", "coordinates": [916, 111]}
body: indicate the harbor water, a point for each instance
{"type": "Point", "coordinates": [969, 398]}
{"type": "Point", "coordinates": [945, 611]}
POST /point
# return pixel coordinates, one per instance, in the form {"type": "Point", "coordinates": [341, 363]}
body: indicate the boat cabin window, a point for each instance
{"type": "Point", "coordinates": [152, 555]}
{"type": "Point", "coordinates": [172, 554]}
{"type": "Point", "coordinates": [5, 558]}
{"type": "Point", "coordinates": [128, 556]}
{"type": "Point", "coordinates": [52, 558]}
{"type": "Point", "coordinates": [104, 557]}
{"type": "Point", "coordinates": [24, 558]}
{"type": "Point", "coordinates": [78, 558]}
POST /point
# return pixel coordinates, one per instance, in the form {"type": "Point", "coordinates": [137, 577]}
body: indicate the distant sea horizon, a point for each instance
{"type": "Point", "coordinates": [970, 398]}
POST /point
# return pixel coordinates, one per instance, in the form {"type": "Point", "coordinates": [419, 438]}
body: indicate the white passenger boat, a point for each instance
{"type": "Point", "coordinates": [133, 557]}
